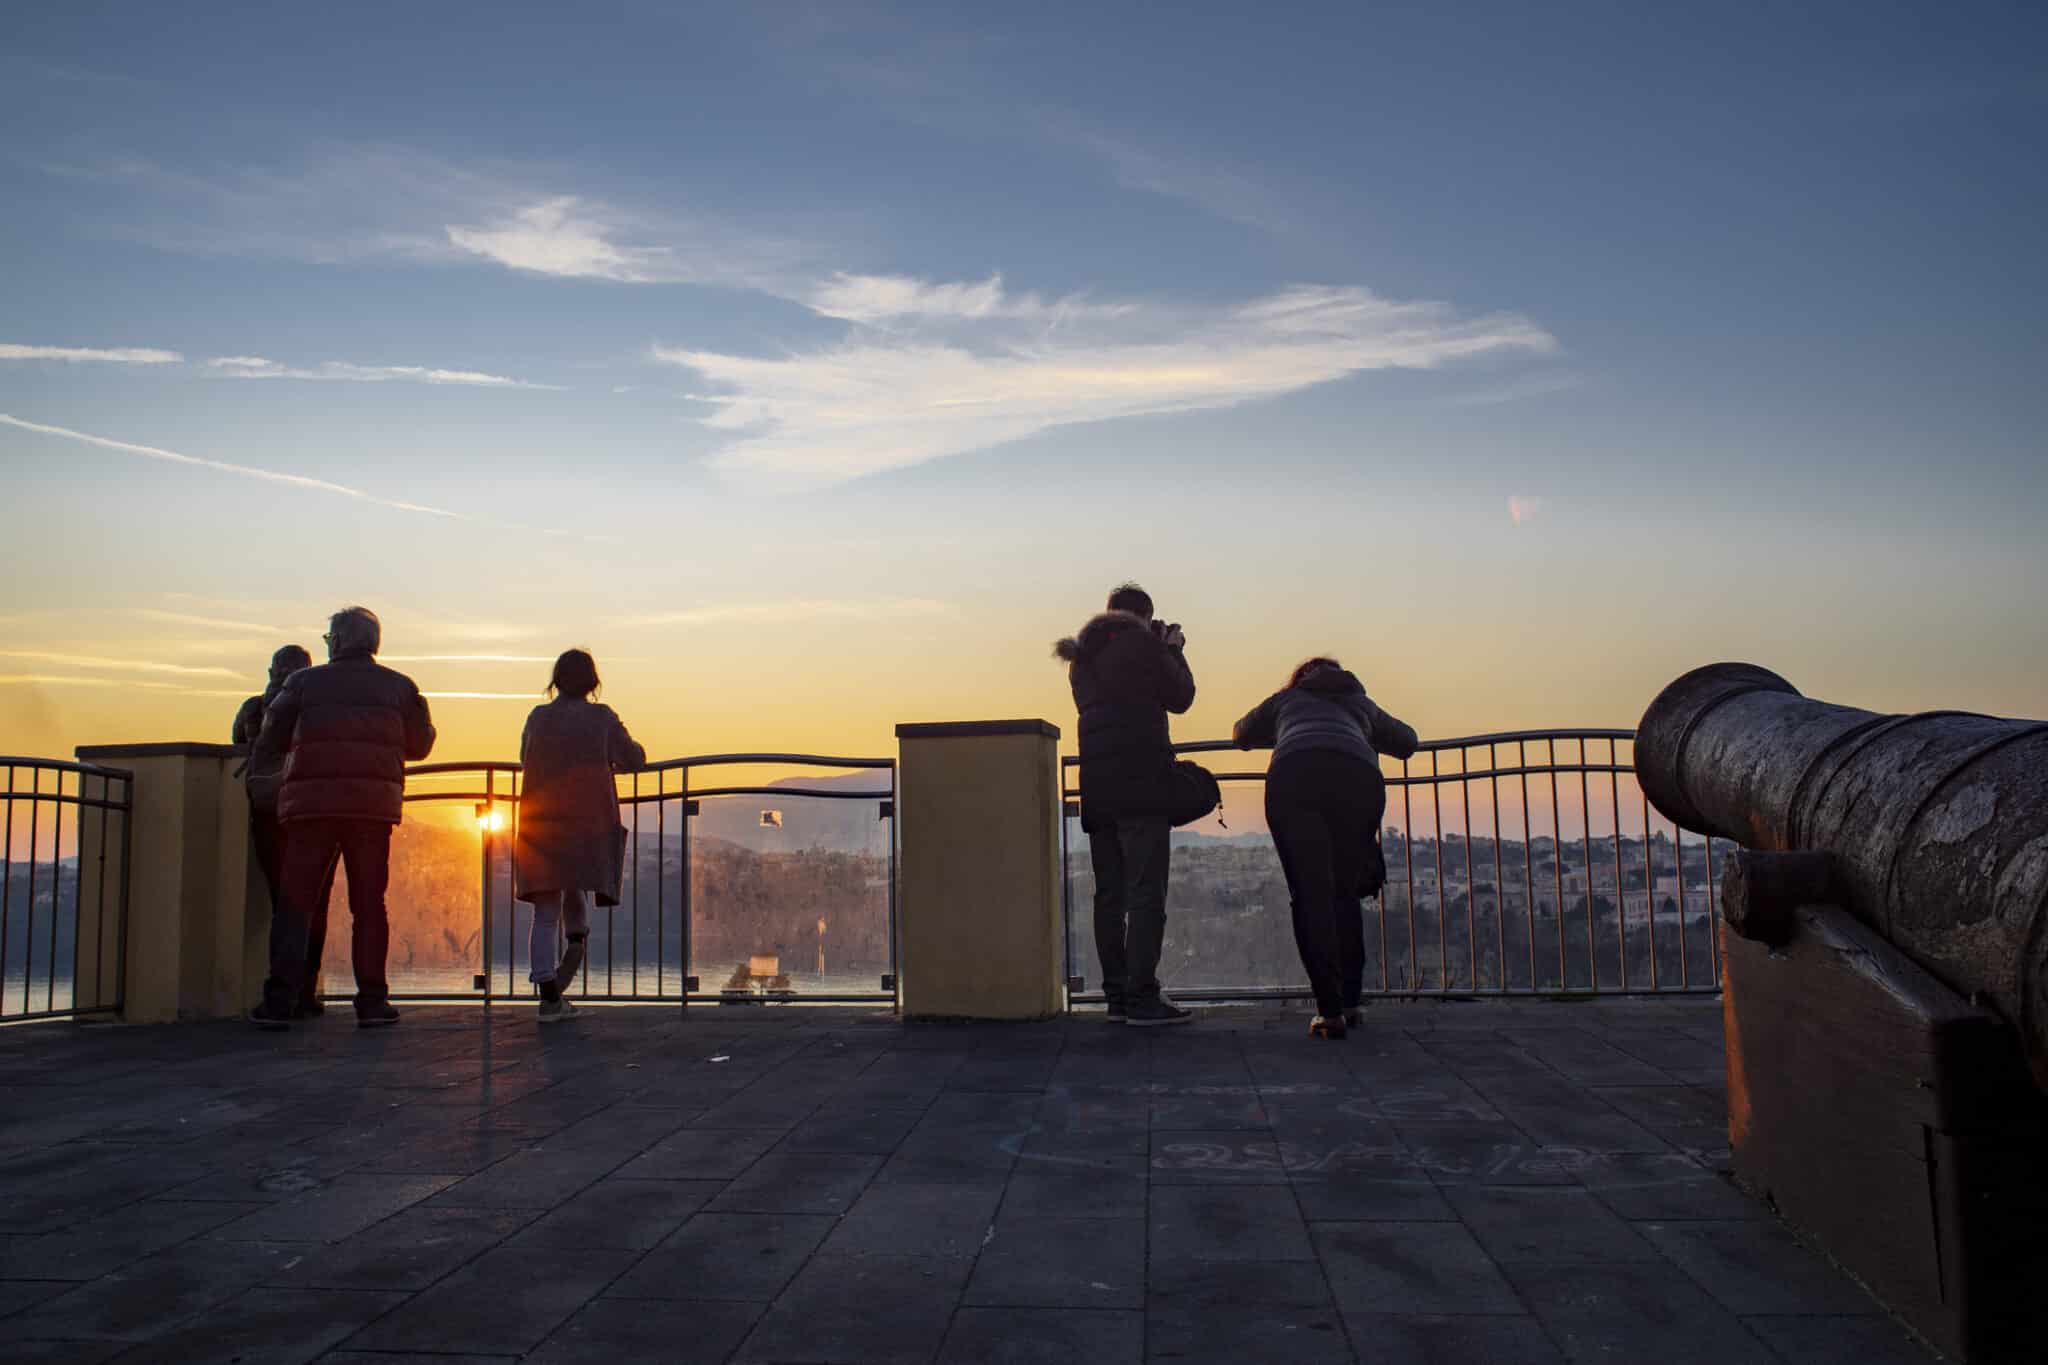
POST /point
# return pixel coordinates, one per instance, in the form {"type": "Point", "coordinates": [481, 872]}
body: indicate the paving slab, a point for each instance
{"type": "Point", "coordinates": [1044, 1336]}
{"type": "Point", "coordinates": [1411, 1267]}
{"type": "Point", "coordinates": [1637, 1311]}
{"type": "Point", "coordinates": [1753, 1266]}
{"type": "Point", "coordinates": [1227, 1313]}
{"type": "Point", "coordinates": [1061, 1263]}
{"type": "Point", "coordinates": [617, 1212]}
{"type": "Point", "coordinates": [618, 1331]}
{"type": "Point", "coordinates": [947, 1219]}
{"type": "Point", "coordinates": [1446, 1339]}
{"type": "Point", "coordinates": [267, 1326]}
{"type": "Point", "coordinates": [799, 1182]}
{"type": "Point", "coordinates": [504, 1302]}
{"type": "Point", "coordinates": [407, 1251]}
{"type": "Point", "coordinates": [1228, 1223]}
{"type": "Point", "coordinates": [888, 1310]}
{"type": "Point", "coordinates": [746, 1256]}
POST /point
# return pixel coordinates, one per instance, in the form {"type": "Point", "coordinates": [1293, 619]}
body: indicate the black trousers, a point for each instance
{"type": "Point", "coordinates": [267, 836]}
{"type": "Point", "coordinates": [310, 847]}
{"type": "Point", "coordinates": [1324, 808]}
{"type": "Point", "coordinates": [1131, 859]}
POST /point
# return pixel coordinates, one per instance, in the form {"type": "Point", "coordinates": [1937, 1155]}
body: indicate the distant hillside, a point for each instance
{"type": "Point", "coordinates": [837, 825]}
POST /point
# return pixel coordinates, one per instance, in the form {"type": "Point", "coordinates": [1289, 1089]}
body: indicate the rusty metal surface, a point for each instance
{"type": "Point", "coordinates": [1938, 822]}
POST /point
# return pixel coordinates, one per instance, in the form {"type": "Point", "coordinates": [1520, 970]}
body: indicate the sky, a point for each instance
{"type": "Point", "coordinates": [818, 365]}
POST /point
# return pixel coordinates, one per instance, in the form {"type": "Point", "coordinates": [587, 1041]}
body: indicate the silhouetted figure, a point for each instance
{"type": "Point", "coordinates": [346, 730]}
{"type": "Point", "coordinates": [266, 835]}
{"type": "Point", "coordinates": [1324, 800]}
{"type": "Point", "coordinates": [571, 844]}
{"type": "Point", "coordinates": [1128, 671]}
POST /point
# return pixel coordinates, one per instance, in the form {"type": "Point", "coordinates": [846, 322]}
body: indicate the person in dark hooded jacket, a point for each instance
{"type": "Point", "coordinates": [346, 730]}
{"type": "Point", "coordinates": [1128, 672]}
{"type": "Point", "coordinates": [266, 833]}
{"type": "Point", "coordinates": [1324, 800]}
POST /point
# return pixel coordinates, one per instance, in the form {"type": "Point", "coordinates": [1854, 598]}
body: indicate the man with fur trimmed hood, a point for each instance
{"type": "Point", "coordinates": [1128, 671]}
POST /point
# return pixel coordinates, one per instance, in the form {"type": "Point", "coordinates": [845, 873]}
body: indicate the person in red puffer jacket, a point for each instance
{"type": "Point", "coordinates": [346, 730]}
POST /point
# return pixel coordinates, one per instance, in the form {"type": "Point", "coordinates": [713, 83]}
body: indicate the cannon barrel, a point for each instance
{"type": "Point", "coordinates": [1937, 822]}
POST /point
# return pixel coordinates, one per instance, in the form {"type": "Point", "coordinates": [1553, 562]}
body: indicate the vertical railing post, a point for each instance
{"type": "Point", "coordinates": [895, 932]}
{"type": "Point", "coordinates": [683, 820]}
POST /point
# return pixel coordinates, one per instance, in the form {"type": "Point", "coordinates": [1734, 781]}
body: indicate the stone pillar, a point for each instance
{"type": "Point", "coordinates": [198, 913]}
{"type": "Point", "coordinates": [978, 888]}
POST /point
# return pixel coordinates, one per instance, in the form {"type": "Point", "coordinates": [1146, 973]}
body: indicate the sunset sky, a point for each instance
{"type": "Point", "coordinates": [817, 365]}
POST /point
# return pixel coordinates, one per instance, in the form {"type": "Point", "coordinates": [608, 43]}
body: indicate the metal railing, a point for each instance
{"type": "Point", "coordinates": [646, 948]}
{"type": "Point", "coordinates": [63, 889]}
{"type": "Point", "coordinates": [1521, 863]}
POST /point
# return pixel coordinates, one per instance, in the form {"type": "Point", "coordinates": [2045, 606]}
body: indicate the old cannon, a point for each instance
{"type": "Point", "coordinates": [1935, 825]}
{"type": "Point", "coordinates": [1885, 971]}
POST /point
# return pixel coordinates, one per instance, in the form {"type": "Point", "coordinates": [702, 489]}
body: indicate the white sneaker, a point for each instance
{"type": "Point", "coordinates": [555, 1011]}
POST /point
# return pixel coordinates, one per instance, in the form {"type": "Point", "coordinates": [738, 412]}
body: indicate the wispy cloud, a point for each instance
{"type": "Point", "coordinates": [798, 610]}
{"type": "Point", "coordinates": [482, 696]}
{"type": "Point", "coordinates": [118, 355]}
{"type": "Point", "coordinates": [1523, 509]}
{"type": "Point", "coordinates": [356, 203]}
{"type": "Point", "coordinates": [877, 402]}
{"type": "Point", "coordinates": [179, 618]}
{"type": "Point", "coordinates": [1216, 189]}
{"type": "Point", "coordinates": [82, 680]}
{"type": "Point", "coordinates": [556, 237]}
{"type": "Point", "coordinates": [467, 658]}
{"type": "Point", "coordinates": [299, 481]}
{"type": "Point", "coordinates": [113, 664]}
{"type": "Point", "coordinates": [257, 367]}
{"type": "Point", "coordinates": [885, 298]}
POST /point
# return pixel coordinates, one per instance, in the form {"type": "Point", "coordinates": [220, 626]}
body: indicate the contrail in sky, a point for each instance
{"type": "Point", "coordinates": [273, 476]}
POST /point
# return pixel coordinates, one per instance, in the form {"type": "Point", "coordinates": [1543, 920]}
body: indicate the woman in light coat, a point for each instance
{"type": "Point", "coordinates": [1324, 799]}
{"type": "Point", "coordinates": [571, 844]}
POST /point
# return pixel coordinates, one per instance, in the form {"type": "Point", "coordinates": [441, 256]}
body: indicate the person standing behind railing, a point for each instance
{"type": "Point", "coordinates": [262, 777]}
{"type": "Point", "coordinates": [1324, 800]}
{"type": "Point", "coordinates": [571, 844]}
{"type": "Point", "coordinates": [345, 730]}
{"type": "Point", "coordinates": [1127, 671]}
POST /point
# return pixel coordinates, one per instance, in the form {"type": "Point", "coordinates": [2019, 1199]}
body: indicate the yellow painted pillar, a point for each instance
{"type": "Point", "coordinates": [978, 884]}
{"type": "Point", "coordinates": [198, 913]}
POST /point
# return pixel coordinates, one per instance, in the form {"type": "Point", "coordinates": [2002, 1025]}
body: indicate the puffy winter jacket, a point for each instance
{"type": "Point", "coordinates": [347, 730]}
{"type": "Point", "coordinates": [1125, 680]}
{"type": "Point", "coordinates": [1327, 709]}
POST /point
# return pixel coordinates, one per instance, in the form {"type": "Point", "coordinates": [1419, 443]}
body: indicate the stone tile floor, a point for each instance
{"type": "Point", "coordinates": [1469, 1182]}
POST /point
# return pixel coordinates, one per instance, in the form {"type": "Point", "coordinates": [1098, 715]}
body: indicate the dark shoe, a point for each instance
{"type": "Point", "coordinates": [1155, 1014]}
{"type": "Point", "coordinates": [1330, 1028]}
{"type": "Point", "coordinates": [1354, 1017]}
{"type": "Point", "coordinates": [308, 1009]}
{"type": "Point", "coordinates": [270, 1020]}
{"type": "Point", "coordinates": [1113, 1010]}
{"type": "Point", "coordinates": [376, 1016]}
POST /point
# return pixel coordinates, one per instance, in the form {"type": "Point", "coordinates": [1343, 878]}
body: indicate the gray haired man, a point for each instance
{"type": "Point", "coordinates": [346, 730]}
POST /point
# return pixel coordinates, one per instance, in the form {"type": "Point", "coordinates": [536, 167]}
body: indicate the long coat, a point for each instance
{"type": "Point", "coordinates": [570, 837]}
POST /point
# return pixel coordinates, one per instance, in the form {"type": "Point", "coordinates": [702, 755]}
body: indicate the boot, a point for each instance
{"type": "Point", "coordinates": [572, 962]}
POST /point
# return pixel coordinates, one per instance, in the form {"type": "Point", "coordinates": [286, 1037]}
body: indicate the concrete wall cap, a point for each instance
{"type": "Point", "coordinates": [962, 729]}
{"type": "Point", "coordinates": [88, 753]}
